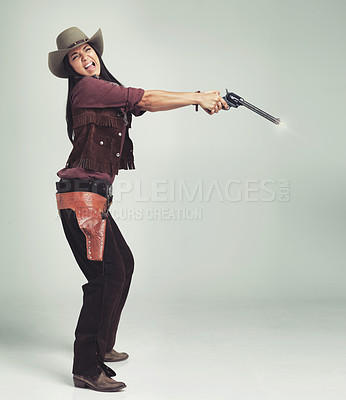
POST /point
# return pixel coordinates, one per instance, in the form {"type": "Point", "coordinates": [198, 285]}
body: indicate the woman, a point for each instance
{"type": "Point", "coordinates": [98, 113]}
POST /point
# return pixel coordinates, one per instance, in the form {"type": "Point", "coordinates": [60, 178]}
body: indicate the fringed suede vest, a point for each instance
{"type": "Point", "coordinates": [101, 140]}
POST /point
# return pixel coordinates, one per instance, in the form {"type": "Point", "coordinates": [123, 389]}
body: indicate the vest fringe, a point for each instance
{"type": "Point", "coordinates": [126, 163]}
{"type": "Point", "coordinates": [94, 165]}
{"type": "Point", "coordinates": [96, 118]}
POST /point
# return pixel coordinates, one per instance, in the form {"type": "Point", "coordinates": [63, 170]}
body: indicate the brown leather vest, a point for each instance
{"type": "Point", "coordinates": [101, 140]}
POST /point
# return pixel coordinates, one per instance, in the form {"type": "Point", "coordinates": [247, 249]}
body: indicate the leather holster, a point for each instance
{"type": "Point", "coordinates": [90, 209]}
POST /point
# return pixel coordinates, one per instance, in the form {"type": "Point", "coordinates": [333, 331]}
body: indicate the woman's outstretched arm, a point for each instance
{"type": "Point", "coordinates": [160, 100]}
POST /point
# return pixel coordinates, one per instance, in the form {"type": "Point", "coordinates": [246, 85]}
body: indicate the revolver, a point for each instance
{"type": "Point", "coordinates": [234, 100]}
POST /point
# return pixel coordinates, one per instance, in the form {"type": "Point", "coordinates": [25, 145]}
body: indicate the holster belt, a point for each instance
{"type": "Point", "coordinates": [90, 209]}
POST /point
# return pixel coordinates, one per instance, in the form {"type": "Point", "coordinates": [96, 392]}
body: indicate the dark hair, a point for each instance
{"type": "Point", "coordinates": [73, 79]}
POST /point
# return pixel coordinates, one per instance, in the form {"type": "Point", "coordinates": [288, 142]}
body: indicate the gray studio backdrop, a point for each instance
{"type": "Point", "coordinates": [225, 208]}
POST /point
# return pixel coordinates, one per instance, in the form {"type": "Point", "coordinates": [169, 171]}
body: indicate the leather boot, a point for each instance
{"type": "Point", "coordinates": [100, 382]}
{"type": "Point", "coordinates": [114, 356]}
{"type": "Point", "coordinates": [108, 371]}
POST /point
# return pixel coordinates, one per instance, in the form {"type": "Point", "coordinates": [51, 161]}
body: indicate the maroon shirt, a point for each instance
{"type": "Point", "coordinates": [93, 92]}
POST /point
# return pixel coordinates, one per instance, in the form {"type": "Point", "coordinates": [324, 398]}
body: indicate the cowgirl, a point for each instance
{"type": "Point", "coordinates": [98, 113]}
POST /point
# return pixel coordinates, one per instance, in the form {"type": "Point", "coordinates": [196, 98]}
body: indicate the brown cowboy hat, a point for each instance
{"type": "Point", "coordinates": [68, 40]}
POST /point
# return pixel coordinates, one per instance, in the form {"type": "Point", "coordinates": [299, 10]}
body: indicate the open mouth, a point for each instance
{"type": "Point", "coordinates": [90, 66]}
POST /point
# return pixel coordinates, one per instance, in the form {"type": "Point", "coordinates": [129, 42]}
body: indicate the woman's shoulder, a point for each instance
{"type": "Point", "coordinates": [90, 82]}
{"type": "Point", "coordinates": [90, 87]}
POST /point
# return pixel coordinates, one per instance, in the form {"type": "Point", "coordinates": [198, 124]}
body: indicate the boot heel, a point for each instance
{"type": "Point", "coordinates": [79, 383]}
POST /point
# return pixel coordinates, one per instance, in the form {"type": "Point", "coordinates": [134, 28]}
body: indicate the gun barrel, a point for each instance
{"type": "Point", "coordinates": [261, 112]}
{"type": "Point", "coordinates": [234, 100]}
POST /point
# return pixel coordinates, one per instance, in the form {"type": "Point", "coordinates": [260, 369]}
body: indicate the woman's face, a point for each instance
{"type": "Point", "coordinates": [84, 60]}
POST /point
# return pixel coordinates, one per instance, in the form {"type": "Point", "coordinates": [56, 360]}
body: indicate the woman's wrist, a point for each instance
{"type": "Point", "coordinates": [197, 99]}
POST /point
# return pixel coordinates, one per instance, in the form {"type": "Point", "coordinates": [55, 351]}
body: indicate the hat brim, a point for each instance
{"type": "Point", "coordinates": [55, 58]}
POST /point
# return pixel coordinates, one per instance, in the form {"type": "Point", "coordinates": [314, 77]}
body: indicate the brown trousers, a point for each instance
{"type": "Point", "coordinates": [104, 294]}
